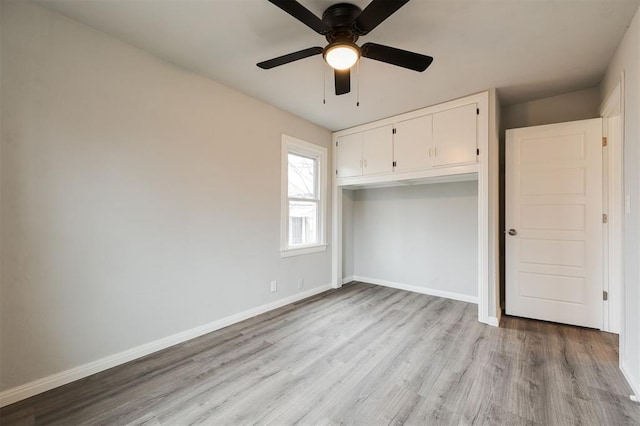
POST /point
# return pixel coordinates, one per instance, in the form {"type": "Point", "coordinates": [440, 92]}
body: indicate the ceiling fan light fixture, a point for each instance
{"type": "Point", "coordinates": [342, 24]}
{"type": "Point", "coordinates": [341, 55]}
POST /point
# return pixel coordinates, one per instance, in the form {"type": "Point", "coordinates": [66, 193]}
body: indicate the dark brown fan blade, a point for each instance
{"type": "Point", "coordinates": [285, 59]}
{"type": "Point", "coordinates": [375, 13]}
{"type": "Point", "coordinates": [343, 81]}
{"type": "Point", "coordinates": [302, 14]}
{"type": "Point", "coordinates": [399, 57]}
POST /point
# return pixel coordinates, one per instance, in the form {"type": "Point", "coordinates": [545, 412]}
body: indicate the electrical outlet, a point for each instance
{"type": "Point", "coordinates": [627, 204]}
{"type": "Point", "coordinates": [300, 284]}
{"type": "Point", "coordinates": [274, 286]}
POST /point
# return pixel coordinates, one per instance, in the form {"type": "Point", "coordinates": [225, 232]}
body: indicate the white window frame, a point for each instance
{"type": "Point", "coordinates": [319, 153]}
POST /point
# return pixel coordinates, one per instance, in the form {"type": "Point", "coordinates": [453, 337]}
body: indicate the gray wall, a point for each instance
{"type": "Point", "coordinates": [138, 200]}
{"type": "Point", "coordinates": [423, 235]}
{"type": "Point", "coordinates": [556, 109]}
{"type": "Point", "coordinates": [627, 60]}
{"type": "Point", "coordinates": [347, 234]}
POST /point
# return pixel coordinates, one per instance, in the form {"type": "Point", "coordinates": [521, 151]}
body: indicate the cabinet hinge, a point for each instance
{"type": "Point", "coordinates": [605, 295]}
{"type": "Point", "coordinates": [604, 141]}
{"type": "Point", "coordinates": [394, 164]}
{"type": "Point", "coordinates": [393, 131]}
{"type": "Point", "coordinates": [336, 173]}
{"type": "Point", "coordinates": [605, 218]}
{"type": "Point", "coordinates": [336, 144]}
{"type": "Point", "coordinates": [477, 111]}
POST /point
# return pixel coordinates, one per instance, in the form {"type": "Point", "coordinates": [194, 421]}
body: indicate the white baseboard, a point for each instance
{"type": "Point", "coordinates": [493, 321]}
{"type": "Point", "coordinates": [417, 289]}
{"type": "Point", "coordinates": [346, 280]}
{"type": "Point", "coordinates": [635, 386]}
{"type": "Point", "coordinates": [35, 387]}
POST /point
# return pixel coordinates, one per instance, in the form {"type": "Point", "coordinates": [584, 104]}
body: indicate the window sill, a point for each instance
{"type": "Point", "coordinates": [303, 250]}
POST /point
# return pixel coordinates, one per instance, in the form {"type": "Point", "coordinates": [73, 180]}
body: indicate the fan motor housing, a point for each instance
{"type": "Point", "coordinates": [340, 18]}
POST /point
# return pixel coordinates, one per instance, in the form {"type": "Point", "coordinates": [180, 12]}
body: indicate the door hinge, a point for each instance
{"type": "Point", "coordinates": [604, 141]}
{"type": "Point", "coordinates": [393, 131]}
{"type": "Point", "coordinates": [477, 151]}
{"type": "Point", "coordinates": [394, 164]}
{"type": "Point", "coordinates": [477, 111]}
{"type": "Point", "coordinates": [605, 295]}
{"type": "Point", "coordinates": [605, 218]}
{"type": "Point", "coordinates": [336, 173]}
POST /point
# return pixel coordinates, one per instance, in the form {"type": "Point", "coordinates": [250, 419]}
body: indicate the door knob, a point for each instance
{"type": "Point", "coordinates": [513, 232]}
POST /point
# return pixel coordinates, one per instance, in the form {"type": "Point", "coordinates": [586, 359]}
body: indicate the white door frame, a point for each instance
{"type": "Point", "coordinates": [612, 113]}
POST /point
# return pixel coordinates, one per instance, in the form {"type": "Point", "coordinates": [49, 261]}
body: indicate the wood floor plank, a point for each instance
{"type": "Point", "coordinates": [365, 355]}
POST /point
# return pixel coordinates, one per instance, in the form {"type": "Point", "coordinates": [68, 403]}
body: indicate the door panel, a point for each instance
{"type": "Point", "coordinates": [541, 182]}
{"type": "Point", "coordinates": [554, 205]}
{"type": "Point", "coordinates": [552, 217]}
{"type": "Point", "coordinates": [563, 288]}
{"type": "Point", "coordinates": [349, 155]}
{"type": "Point", "coordinates": [552, 148]}
{"type": "Point", "coordinates": [411, 144]}
{"type": "Point", "coordinates": [455, 136]}
{"type": "Point", "coordinates": [378, 150]}
{"type": "Point", "coordinates": [553, 252]}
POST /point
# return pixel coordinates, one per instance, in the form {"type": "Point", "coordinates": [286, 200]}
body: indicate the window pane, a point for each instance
{"type": "Point", "coordinates": [302, 182]}
{"type": "Point", "coordinates": [303, 223]}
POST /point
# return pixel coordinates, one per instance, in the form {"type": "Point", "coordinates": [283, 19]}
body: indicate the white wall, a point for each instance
{"type": "Point", "coordinates": [627, 60]}
{"type": "Point", "coordinates": [424, 236]}
{"type": "Point", "coordinates": [138, 200]}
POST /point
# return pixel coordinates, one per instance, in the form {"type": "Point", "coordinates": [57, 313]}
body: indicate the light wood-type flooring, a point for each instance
{"type": "Point", "coordinates": [365, 355]}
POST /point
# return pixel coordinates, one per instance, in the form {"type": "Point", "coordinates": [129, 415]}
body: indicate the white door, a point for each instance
{"type": "Point", "coordinates": [378, 150]}
{"type": "Point", "coordinates": [554, 222]}
{"type": "Point", "coordinates": [349, 155]}
{"type": "Point", "coordinates": [411, 144]}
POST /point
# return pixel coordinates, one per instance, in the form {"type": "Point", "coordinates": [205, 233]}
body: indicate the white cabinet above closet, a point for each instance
{"type": "Point", "coordinates": [377, 150]}
{"type": "Point", "coordinates": [365, 153]}
{"type": "Point", "coordinates": [455, 136]}
{"type": "Point", "coordinates": [412, 144]}
{"type": "Point", "coordinates": [349, 155]}
{"type": "Point", "coordinates": [433, 142]}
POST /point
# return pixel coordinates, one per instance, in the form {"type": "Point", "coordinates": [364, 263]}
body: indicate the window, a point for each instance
{"type": "Point", "coordinates": [304, 183]}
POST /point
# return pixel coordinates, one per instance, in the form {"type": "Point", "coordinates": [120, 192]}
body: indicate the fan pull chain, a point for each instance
{"type": "Point", "coordinates": [324, 83]}
{"type": "Point", "coordinates": [358, 84]}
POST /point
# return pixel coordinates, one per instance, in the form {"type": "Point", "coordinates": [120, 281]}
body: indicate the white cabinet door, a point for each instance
{"type": "Point", "coordinates": [455, 136]}
{"type": "Point", "coordinates": [349, 155]}
{"type": "Point", "coordinates": [378, 150]}
{"type": "Point", "coordinates": [412, 143]}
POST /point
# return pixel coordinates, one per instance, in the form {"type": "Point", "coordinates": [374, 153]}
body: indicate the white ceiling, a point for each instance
{"type": "Point", "coordinates": [528, 49]}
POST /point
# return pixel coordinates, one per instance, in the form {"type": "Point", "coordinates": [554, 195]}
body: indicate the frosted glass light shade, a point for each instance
{"type": "Point", "coordinates": [342, 56]}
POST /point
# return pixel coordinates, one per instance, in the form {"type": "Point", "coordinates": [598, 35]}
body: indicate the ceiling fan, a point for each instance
{"type": "Point", "coordinates": [342, 24]}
